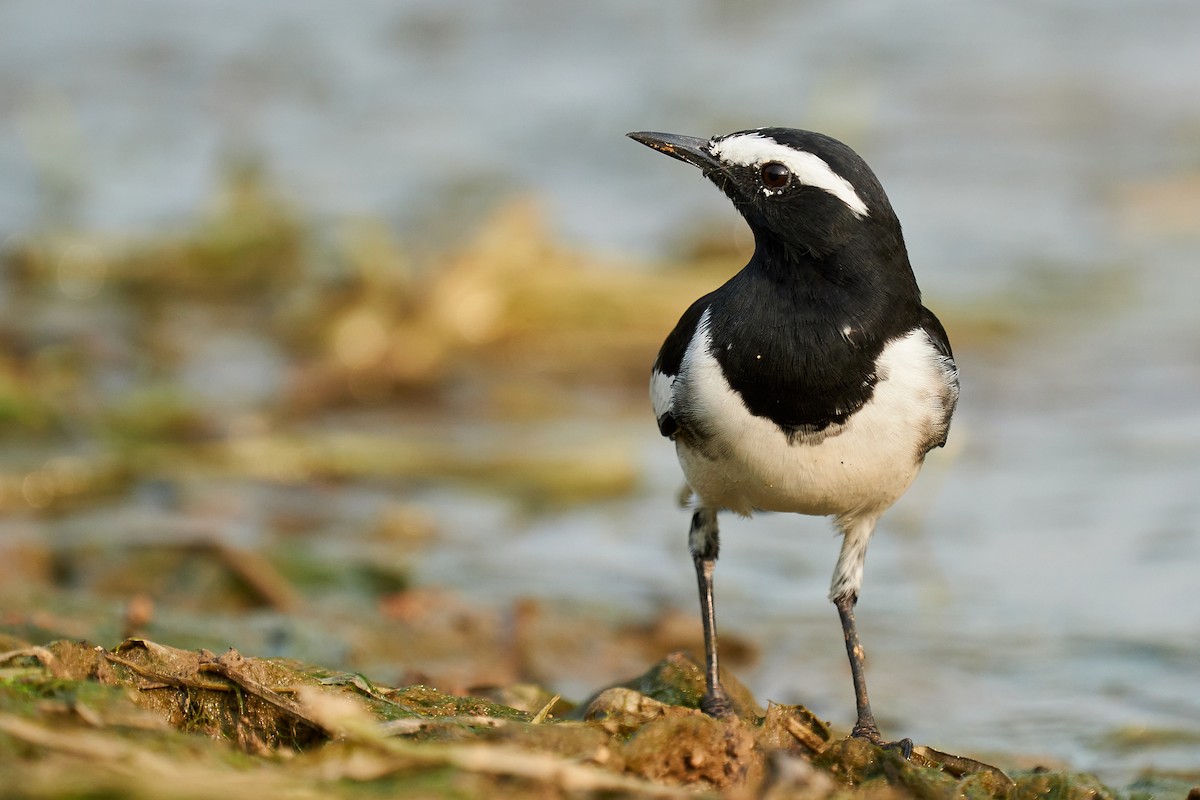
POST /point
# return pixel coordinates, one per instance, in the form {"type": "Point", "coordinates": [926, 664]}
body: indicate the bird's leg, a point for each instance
{"type": "Point", "coordinates": [704, 544]}
{"type": "Point", "coordinates": [865, 727]}
{"type": "Point", "coordinates": [847, 578]}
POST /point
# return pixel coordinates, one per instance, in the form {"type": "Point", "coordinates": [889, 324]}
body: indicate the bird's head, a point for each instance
{"type": "Point", "coordinates": [802, 191]}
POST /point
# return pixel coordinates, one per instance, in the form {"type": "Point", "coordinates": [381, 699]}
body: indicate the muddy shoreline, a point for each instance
{"type": "Point", "coordinates": [148, 720]}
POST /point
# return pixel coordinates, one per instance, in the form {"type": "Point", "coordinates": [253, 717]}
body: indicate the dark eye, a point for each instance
{"type": "Point", "coordinates": [775, 175]}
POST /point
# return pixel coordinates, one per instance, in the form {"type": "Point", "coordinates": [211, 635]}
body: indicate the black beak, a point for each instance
{"type": "Point", "coordinates": [686, 148]}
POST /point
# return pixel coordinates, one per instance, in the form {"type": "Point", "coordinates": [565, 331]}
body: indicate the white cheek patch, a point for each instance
{"type": "Point", "coordinates": [754, 150]}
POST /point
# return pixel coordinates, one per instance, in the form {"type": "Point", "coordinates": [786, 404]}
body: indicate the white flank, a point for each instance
{"type": "Point", "coordinates": [754, 150]}
{"type": "Point", "coordinates": [662, 397]}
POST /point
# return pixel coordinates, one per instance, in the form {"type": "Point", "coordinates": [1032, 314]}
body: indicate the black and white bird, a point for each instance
{"type": "Point", "coordinates": [813, 381]}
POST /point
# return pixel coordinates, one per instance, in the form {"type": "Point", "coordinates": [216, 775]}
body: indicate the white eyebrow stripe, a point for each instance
{"type": "Point", "coordinates": [754, 149]}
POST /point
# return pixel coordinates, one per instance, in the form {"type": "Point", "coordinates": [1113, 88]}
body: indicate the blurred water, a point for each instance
{"type": "Point", "coordinates": [1037, 587]}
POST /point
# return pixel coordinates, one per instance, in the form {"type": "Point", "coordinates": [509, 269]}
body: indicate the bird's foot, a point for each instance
{"type": "Point", "coordinates": [717, 705]}
{"type": "Point", "coordinates": [871, 734]}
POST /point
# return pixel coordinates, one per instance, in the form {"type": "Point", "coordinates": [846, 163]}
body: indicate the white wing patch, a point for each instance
{"type": "Point", "coordinates": [755, 149]}
{"type": "Point", "coordinates": [662, 393]}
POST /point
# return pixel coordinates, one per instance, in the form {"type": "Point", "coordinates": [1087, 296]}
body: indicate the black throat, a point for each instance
{"type": "Point", "coordinates": [798, 334]}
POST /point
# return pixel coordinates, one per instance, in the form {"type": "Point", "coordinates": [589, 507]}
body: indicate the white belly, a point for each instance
{"type": "Point", "coordinates": [862, 466]}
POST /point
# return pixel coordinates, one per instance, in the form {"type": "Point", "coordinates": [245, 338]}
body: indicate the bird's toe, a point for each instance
{"type": "Point", "coordinates": [871, 734]}
{"type": "Point", "coordinates": [717, 705]}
